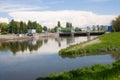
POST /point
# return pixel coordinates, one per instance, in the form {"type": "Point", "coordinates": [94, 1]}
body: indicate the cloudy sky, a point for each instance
{"type": "Point", "coordinates": [49, 12]}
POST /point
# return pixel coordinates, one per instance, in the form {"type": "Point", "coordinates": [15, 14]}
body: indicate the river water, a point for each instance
{"type": "Point", "coordinates": [28, 60]}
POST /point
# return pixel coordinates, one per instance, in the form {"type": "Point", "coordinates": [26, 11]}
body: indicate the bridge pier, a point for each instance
{"type": "Point", "coordinates": [72, 34]}
{"type": "Point", "coordinates": [88, 36]}
{"type": "Point", "coordinates": [88, 33]}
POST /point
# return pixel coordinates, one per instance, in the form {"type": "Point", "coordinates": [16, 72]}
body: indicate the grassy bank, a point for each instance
{"type": "Point", "coordinates": [95, 72]}
{"type": "Point", "coordinates": [109, 43]}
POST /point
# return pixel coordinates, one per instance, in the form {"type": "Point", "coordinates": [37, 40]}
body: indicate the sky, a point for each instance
{"type": "Point", "coordinates": [49, 12]}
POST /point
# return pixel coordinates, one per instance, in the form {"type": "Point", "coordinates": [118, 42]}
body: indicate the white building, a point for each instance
{"type": "Point", "coordinates": [31, 31]}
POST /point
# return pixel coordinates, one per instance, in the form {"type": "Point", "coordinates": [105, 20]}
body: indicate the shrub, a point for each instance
{"type": "Point", "coordinates": [3, 33]}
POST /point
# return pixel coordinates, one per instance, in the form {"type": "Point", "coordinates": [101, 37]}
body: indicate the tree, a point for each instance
{"type": "Point", "coordinates": [93, 28]}
{"type": "Point", "coordinates": [45, 28]}
{"type": "Point", "coordinates": [77, 29]}
{"type": "Point", "coordinates": [116, 24]}
{"type": "Point", "coordinates": [98, 27]}
{"type": "Point", "coordinates": [21, 27]}
{"type": "Point", "coordinates": [34, 25]}
{"type": "Point", "coordinates": [69, 25]}
{"type": "Point", "coordinates": [14, 26]}
{"type": "Point", "coordinates": [38, 28]}
{"type": "Point", "coordinates": [24, 27]}
{"type": "Point", "coordinates": [102, 28]}
{"type": "Point", "coordinates": [29, 26]}
{"type": "Point", "coordinates": [55, 28]}
{"type": "Point", "coordinates": [59, 25]}
{"type": "Point", "coordinates": [3, 27]}
{"type": "Point", "coordinates": [11, 24]}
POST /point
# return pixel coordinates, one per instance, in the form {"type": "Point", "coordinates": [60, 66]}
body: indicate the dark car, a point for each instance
{"type": "Point", "coordinates": [29, 34]}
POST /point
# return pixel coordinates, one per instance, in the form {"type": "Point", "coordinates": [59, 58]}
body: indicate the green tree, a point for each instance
{"type": "Point", "coordinates": [116, 24]}
{"type": "Point", "coordinates": [69, 25]}
{"type": "Point", "coordinates": [98, 27]}
{"type": "Point", "coordinates": [102, 28]}
{"type": "Point", "coordinates": [77, 29]}
{"type": "Point", "coordinates": [59, 25]}
{"type": "Point", "coordinates": [14, 26]}
{"type": "Point", "coordinates": [11, 24]}
{"type": "Point", "coordinates": [24, 27]}
{"type": "Point", "coordinates": [34, 25]}
{"type": "Point", "coordinates": [29, 26]}
{"type": "Point", "coordinates": [52, 30]}
{"type": "Point", "coordinates": [3, 27]}
{"type": "Point", "coordinates": [21, 27]}
{"type": "Point", "coordinates": [38, 28]}
{"type": "Point", "coordinates": [93, 28]}
{"type": "Point", "coordinates": [45, 28]}
{"type": "Point", "coordinates": [55, 28]}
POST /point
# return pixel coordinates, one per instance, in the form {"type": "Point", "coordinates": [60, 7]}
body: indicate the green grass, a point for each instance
{"type": "Point", "coordinates": [95, 72]}
{"type": "Point", "coordinates": [109, 43]}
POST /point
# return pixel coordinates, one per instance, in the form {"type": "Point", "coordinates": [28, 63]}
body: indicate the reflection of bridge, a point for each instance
{"type": "Point", "coordinates": [80, 33]}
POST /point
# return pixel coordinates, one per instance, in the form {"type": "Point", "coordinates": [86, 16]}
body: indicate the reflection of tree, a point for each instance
{"type": "Point", "coordinates": [17, 46]}
{"type": "Point", "coordinates": [3, 46]}
{"type": "Point", "coordinates": [58, 40]}
{"type": "Point", "coordinates": [14, 47]}
{"type": "Point", "coordinates": [35, 47]}
{"type": "Point", "coordinates": [45, 41]}
{"type": "Point", "coordinates": [74, 55]}
{"type": "Point", "coordinates": [88, 37]}
{"type": "Point", "coordinates": [70, 40]}
{"type": "Point", "coordinates": [20, 46]}
{"type": "Point", "coordinates": [114, 54]}
{"type": "Point", "coordinates": [62, 39]}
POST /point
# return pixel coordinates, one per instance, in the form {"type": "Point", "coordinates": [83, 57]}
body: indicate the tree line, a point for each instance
{"type": "Point", "coordinates": [19, 27]}
{"type": "Point", "coordinates": [22, 27]}
{"type": "Point", "coordinates": [116, 24]}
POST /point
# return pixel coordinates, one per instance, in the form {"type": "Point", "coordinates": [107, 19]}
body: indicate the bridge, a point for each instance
{"type": "Point", "coordinates": [64, 34]}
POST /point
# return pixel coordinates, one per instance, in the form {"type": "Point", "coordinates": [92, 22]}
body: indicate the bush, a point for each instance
{"type": "Point", "coordinates": [3, 33]}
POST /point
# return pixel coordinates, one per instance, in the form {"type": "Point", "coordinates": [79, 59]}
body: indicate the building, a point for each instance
{"type": "Point", "coordinates": [31, 31]}
{"type": "Point", "coordinates": [108, 28]}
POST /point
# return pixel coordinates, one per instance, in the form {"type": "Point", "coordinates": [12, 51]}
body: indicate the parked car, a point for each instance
{"type": "Point", "coordinates": [29, 34]}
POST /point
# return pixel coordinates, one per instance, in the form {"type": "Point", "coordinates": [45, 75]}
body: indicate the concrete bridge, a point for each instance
{"type": "Point", "coordinates": [63, 34]}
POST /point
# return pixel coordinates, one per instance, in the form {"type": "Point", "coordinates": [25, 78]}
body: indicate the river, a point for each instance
{"type": "Point", "coordinates": [28, 60]}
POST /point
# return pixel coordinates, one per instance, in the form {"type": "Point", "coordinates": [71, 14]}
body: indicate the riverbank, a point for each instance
{"type": "Point", "coordinates": [95, 72]}
{"type": "Point", "coordinates": [103, 43]}
{"type": "Point", "coordinates": [14, 37]}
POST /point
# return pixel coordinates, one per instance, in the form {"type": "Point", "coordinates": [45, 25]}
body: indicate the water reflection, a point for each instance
{"type": "Point", "coordinates": [58, 40]}
{"type": "Point", "coordinates": [16, 46]}
{"type": "Point", "coordinates": [114, 54]}
{"type": "Point", "coordinates": [88, 37]}
{"type": "Point", "coordinates": [34, 45]}
{"type": "Point", "coordinates": [70, 40]}
{"type": "Point", "coordinates": [45, 41]}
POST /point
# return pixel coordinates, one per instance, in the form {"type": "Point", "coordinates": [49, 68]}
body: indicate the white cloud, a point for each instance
{"type": "Point", "coordinates": [50, 18]}
{"type": "Point", "coordinates": [12, 7]}
{"type": "Point", "coordinates": [4, 20]}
